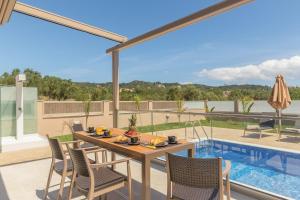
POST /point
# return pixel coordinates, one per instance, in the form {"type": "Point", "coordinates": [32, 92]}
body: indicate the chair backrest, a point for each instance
{"type": "Point", "coordinates": [56, 148]}
{"type": "Point", "coordinates": [76, 126]}
{"type": "Point", "coordinates": [195, 172]}
{"type": "Point", "coordinates": [267, 123]}
{"type": "Point", "coordinates": [80, 161]}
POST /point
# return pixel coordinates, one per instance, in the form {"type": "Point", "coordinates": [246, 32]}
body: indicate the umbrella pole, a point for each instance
{"type": "Point", "coordinates": [279, 124]}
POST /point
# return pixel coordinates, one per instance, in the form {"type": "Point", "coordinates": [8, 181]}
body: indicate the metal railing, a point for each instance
{"type": "Point", "coordinates": [192, 123]}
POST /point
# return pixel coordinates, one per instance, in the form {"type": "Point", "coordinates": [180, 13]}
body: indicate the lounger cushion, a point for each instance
{"type": "Point", "coordinates": [104, 177]}
{"type": "Point", "coordinates": [257, 127]}
{"type": "Point", "coordinates": [191, 193]}
{"type": "Point", "coordinates": [292, 130]}
{"type": "Point", "coordinates": [252, 127]}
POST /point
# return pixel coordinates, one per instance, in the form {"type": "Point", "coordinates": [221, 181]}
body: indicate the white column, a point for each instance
{"type": "Point", "coordinates": [19, 106]}
{"type": "Point", "coordinates": [115, 85]}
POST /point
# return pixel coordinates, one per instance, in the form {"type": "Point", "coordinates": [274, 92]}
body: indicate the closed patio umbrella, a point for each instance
{"type": "Point", "coordinates": [280, 98]}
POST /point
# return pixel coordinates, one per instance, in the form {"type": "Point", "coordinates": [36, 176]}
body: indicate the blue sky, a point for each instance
{"type": "Point", "coordinates": [250, 44]}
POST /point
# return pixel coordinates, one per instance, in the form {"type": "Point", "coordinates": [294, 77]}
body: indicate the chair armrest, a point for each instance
{"type": "Point", "coordinates": [72, 142]}
{"type": "Point", "coordinates": [227, 168]}
{"type": "Point", "coordinates": [65, 151]}
{"type": "Point", "coordinates": [93, 149]}
{"type": "Point", "coordinates": [110, 163]}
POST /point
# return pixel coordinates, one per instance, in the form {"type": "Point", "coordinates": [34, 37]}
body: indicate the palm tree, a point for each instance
{"type": "Point", "coordinates": [87, 109]}
{"type": "Point", "coordinates": [210, 119]}
{"type": "Point", "coordinates": [180, 108]}
{"type": "Point", "coordinates": [137, 101]}
{"type": "Point", "coordinates": [247, 104]}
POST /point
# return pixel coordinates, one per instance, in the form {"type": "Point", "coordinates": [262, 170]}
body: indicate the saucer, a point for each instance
{"type": "Point", "coordinates": [136, 143]}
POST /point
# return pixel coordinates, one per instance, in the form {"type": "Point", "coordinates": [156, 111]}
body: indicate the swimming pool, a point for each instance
{"type": "Point", "coordinates": [271, 170]}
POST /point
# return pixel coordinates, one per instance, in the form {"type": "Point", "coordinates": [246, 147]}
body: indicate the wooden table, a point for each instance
{"type": "Point", "coordinates": [138, 152]}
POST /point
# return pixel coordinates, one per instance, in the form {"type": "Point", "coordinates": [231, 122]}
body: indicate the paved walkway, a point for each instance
{"type": "Point", "coordinates": [27, 181]}
{"type": "Point", "coordinates": [289, 142]}
{"type": "Point", "coordinates": [8, 158]}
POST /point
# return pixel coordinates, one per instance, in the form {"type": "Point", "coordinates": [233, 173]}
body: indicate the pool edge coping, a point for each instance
{"type": "Point", "coordinates": [251, 144]}
{"type": "Point", "coordinates": [249, 187]}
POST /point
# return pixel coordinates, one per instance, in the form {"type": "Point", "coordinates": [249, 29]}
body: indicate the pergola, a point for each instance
{"type": "Point", "coordinates": [7, 7]}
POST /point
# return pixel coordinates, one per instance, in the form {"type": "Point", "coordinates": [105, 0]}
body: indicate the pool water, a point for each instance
{"type": "Point", "coordinates": [271, 170]}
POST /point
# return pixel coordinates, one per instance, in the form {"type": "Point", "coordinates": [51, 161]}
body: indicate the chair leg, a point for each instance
{"type": "Point", "coordinates": [90, 196]}
{"type": "Point", "coordinates": [129, 181]}
{"type": "Point", "coordinates": [228, 188]}
{"type": "Point", "coordinates": [71, 186]}
{"type": "Point", "coordinates": [96, 157]}
{"type": "Point", "coordinates": [62, 183]}
{"type": "Point", "coordinates": [104, 156]}
{"type": "Point", "coordinates": [49, 180]}
{"type": "Point", "coordinates": [130, 195]}
{"type": "Point", "coordinates": [260, 135]}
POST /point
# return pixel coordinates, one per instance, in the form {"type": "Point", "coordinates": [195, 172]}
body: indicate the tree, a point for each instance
{"type": "Point", "coordinates": [87, 109]}
{"type": "Point", "coordinates": [137, 102]}
{"type": "Point", "coordinates": [180, 108]}
{"type": "Point", "coordinates": [191, 93]}
{"type": "Point", "coordinates": [174, 93]}
{"type": "Point", "coordinates": [247, 104]}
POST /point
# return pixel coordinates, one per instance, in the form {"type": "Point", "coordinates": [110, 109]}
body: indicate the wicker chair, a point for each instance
{"type": "Point", "coordinates": [62, 164]}
{"type": "Point", "coordinates": [195, 178]}
{"type": "Point", "coordinates": [77, 126]}
{"type": "Point", "coordinates": [96, 180]}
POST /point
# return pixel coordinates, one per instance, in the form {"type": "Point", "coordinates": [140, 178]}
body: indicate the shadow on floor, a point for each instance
{"type": "Point", "coordinates": [291, 139]}
{"type": "Point", "coordinates": [121, 194]}
{"type": "Point", "coordinates": [256, 135]}
{"type": "Point", "coordinates": [3, 191]}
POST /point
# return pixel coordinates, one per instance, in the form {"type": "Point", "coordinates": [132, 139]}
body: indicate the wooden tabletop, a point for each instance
{"type": "Point", "coordinates": [138, 152]}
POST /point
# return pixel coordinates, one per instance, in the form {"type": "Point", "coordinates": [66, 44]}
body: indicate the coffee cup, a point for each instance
{"type": "Point", "coordinates": [91, 129]}
{"type": "Point", "coordinates": [134, 139]}
{"type": "Point", "coordinates": [106, 133]}
{"type": "Point", "coordinates": [171, 139]}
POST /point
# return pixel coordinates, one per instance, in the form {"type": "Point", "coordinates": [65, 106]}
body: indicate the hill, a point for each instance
{"type": "Point", "coordinates": [55, 88]}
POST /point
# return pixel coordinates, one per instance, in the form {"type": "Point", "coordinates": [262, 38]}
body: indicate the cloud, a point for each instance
{"type": "Point", "coordinates": [267, 70]}
{"type": "Point", "coordinates": [186, 83]}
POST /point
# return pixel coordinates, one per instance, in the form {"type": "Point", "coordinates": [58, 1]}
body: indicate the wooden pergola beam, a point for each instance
{"type": "Point", "coordinates": [67, 22]}
{"type": "Point", "coordinates": [6, 8]}
{"type": "Point", "coordinates": [180, 23]}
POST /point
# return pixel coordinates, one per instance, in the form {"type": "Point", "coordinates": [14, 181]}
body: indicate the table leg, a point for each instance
{"type": "Point", "coordinates": [191, 152]}
{"type": "Point", "coordinates": [113, 157]}
{"type": "Point", "coordinates": [146, 187]}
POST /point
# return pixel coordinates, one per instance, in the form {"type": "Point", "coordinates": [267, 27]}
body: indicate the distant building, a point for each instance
{"type": "Point", "coordinates": [226, 93]}
{"type": "Point", "coordinates": [126, 90]}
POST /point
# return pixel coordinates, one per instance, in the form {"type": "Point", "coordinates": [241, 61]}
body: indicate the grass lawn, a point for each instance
{"type": "Point", "coordinates": [216, 123]}
{"type": "Point", "coordinates": [176, 125]}
{"type": "Point", "coordinates": [64, 138]}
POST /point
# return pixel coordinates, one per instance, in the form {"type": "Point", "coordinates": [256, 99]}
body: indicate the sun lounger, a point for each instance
{"type": "Point", "coordinates": [262, 126]}
{"type": "Point", "coordinates": [296, 128]}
